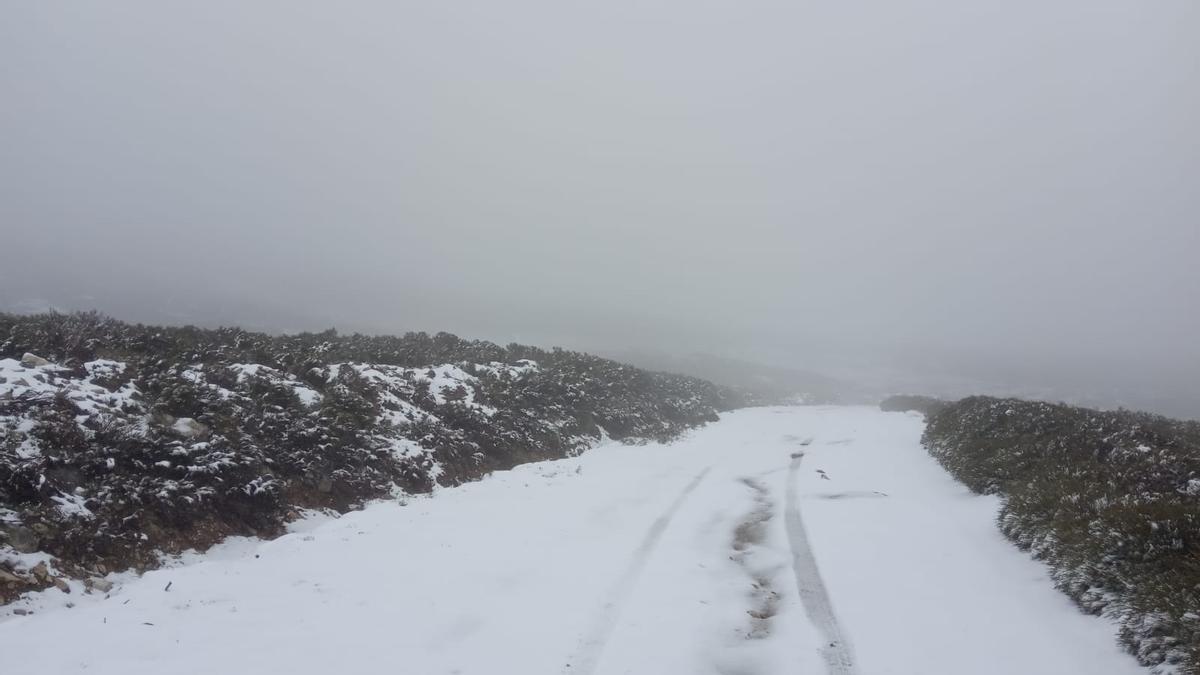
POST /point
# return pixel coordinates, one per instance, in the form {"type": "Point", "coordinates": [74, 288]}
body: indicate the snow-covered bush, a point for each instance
{"type": "Point", "coordinates": [119, 441]}
{"type": "Point", "coordinates": [1109, 500]}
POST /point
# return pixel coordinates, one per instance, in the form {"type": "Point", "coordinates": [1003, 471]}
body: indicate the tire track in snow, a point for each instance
{"type": "Point", "coordinates": [591, 648]}
{"type": "Point", "coordinates": [836, 651]}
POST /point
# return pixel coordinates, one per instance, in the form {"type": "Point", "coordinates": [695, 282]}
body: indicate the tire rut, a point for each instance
{"type": "Point", "coordinates": [835, 650]}
{"type": "Point", "coordinates": [591, 648]}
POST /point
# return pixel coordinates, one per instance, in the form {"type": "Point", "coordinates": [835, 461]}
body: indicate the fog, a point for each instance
{"type": "Point", "coordinates": [948, 196]}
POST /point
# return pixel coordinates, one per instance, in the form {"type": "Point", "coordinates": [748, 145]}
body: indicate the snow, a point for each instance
{"type": "Point", "coordinates": [104, 368]}
{"type": "Point", "coordinates": [397, 383]}
{"type": "Point", "coordinates": [515, 370]}
{"type": "Point", "coordinates": [1193, 487]}
{"type": "Point", "coordinates": [23, 562]}
{"type": "Point", "coordinates": [17, 381]}
{"type": "Point", "coordinates": [740, 549]}
{"type": "Point", "coordinates": [308, 396]}
{"type": "Point", "coordinates": [72, 506]}
{"type": "Point", "coordinates": [44, 382]}
{"type": "Point", "coordinates": [447, 378]}
{"type": "Point", "coordinates": [394, 386]}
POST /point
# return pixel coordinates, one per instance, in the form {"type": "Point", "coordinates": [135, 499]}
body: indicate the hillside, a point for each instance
{"type": "Point", "coordinates": [1110, 500]}
{"type": "Point", "coordinates": [119, 442]}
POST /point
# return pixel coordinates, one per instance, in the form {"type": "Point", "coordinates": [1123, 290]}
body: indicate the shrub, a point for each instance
{"type": "Point", "coordinates": [1109, 500]}
{"type": "Point", "coordinates": [163, 438]}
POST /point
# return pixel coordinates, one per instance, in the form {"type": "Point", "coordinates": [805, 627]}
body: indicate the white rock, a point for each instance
{"type": "Point", "coordinates": [189, 427]}
{"type": "Point", "coordinates": [101, 585]}
{"type": "Point", "coordinates": [33, 361]}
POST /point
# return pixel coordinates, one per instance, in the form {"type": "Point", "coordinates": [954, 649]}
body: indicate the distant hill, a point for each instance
{"type": "Point", "coordinates": [766, 383]}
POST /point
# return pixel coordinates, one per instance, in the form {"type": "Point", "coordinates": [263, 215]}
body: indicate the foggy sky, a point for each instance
{"type": "Point", "coordinates": [983, 188]}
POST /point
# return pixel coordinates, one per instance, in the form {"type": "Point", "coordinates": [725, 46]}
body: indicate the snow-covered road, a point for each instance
{"type": "Point", "coordinates": [780, 540]}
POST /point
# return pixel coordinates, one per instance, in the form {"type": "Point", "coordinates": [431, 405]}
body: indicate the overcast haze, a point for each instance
{"type": "Point", "coordinates": [992, 190]}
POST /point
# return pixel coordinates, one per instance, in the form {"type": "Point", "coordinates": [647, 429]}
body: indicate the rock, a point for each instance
{"type": "Point", "coordinates": [22, 539]}
{"type": "Point", "coordinates": [41, 572]}
{"type": "Point", "coordinates": [102, 585]}
{"type": "Point", "coordinates": [189, 427]}
{"type": "Point", "coordinates": [21, 611]}
{"type": "Point", "coordinates": [61, 584]}
{"type": "Point", "coordinates": [33, 361]}
{"type": "Point", "coordinates": [7, 577]}
{"type": "Point", "coordinates": [101, 568]}
{"type": "Point", "coordinates": [326, 485]}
